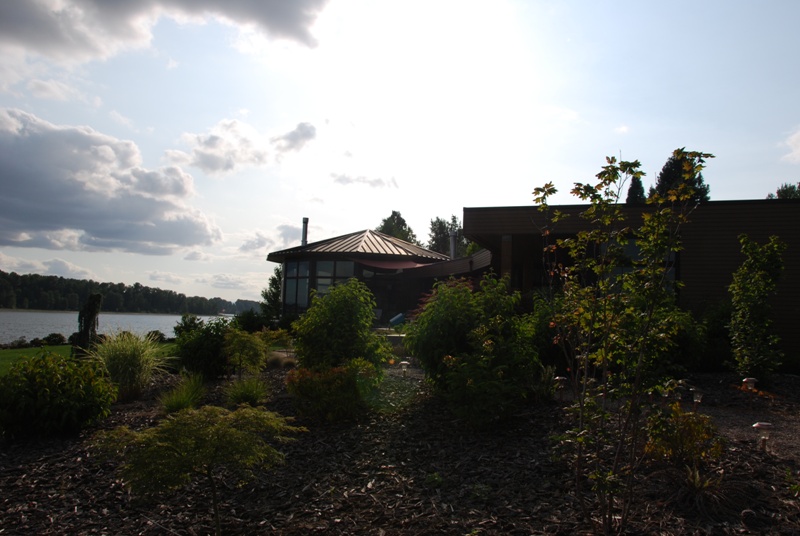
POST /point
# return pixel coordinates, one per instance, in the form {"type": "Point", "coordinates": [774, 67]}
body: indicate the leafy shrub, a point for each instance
{"type": "Point", "coordinates": [201, 350]}
{"type": "Point", "coordinates": [157, 336]}
{"type": "Point", "coordinates": [683, 438]}
{"type": "Point", "coordinates": [187, 394]}
{"type": "Point", "coordinates": [250, 390]}
{"type": "Point", "coordinates": [338, 328]}
{"type": "Point", "coordinates": [131, 360]}
{"type": "Point", "coordinates": [250, 321]}
{"type": "Point", "coordinates": [51, 395]}
{"type": "Point", "coordinates": [276, 338]}
{"type": "Point", "coordinates": [244, 351]}
{"type": "Point", "coordinates": [198, 444]}
{"type": "Point", "coordinates": [329, 394]}
{"type": "Point", "coordinates": [55, 339]}
{"type": "Point", "coordinates": [478, 350]}
{"type": "Point", "coordinates": [187, 323]}
{"type": "Point", "coordinates": [754, 344]}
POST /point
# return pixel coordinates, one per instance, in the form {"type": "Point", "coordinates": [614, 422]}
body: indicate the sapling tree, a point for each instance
{"type": "Point", "coordinates": [615, 317]}
{"type": "Point", "coordinates": [754, 345]}
{"type": "Point", "coordinates": [205, 444]}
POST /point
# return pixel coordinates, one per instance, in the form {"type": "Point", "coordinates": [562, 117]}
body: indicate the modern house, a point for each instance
{"type": "Point", "coordinates": [396, 272]}
{"type": "Point", "coordinates": [399, 273]}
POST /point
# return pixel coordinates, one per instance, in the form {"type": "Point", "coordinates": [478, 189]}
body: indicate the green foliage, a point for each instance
{"type": "Point", "coordinates": [337, 328]}
{"type": "Point", "coordinates": [131, 360]}
{"type": "Point", "coordinates": [326, 395]}
{"type": "Point", "coordinates": [395, 225]}
{"type": "Point", "coordinates": [616, 322]}
{"type": "Point", "coordinates": [250, 321]}
{"type": "Point", "coordinates": [439, 236]}
{"type": "Point", "coordinates": [187, 324]}
{"type": "Point", "coordinates": [271, 306]}
{"type": "Point", "coordinates": [53, 394]}
{"type": "Point", "coordinates": [786, 191]}
{"type": "Point", "coordinates": [199, 444]}
{"type": "Point", "coordinates": [250, 390]}
{"type": "Point", "coordinates": [157, 336]}
{"type": "Point", "coordinates": [682, 438]}
{"type": "Point", "coordinates": [202, 349]}
{"type": "Point", "coordinates": [477, 349]}
{"type": "Point", "coordinates": [680, 170]}
{"type": "Point", "coordinates": [187, 394]}
{"type": "Point", "coordinates": [754, 345]}
{"type": "Point", "coordinates": [246, 352]}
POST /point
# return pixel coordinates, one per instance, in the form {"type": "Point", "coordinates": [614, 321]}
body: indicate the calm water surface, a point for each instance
{"type": "Point", "coordinates": [38, 324]}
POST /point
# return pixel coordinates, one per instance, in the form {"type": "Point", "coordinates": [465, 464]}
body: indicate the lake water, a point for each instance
{"type": "Point", "coordinates": [38, 324]}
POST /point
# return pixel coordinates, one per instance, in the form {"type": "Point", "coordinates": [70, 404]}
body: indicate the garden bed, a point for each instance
{"type": "Point", "coordinates": [410, 468]}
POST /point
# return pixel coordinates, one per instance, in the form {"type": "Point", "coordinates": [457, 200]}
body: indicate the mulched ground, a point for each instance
{"type": "Point", "coordinates": [413, 469]}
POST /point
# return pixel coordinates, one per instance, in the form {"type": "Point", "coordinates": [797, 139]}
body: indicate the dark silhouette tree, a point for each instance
{"type": "Point", "coordinates": [439, 236]}
{"type": "Point", "coordinates": [87, 324]}
{"type": "Point", "coordinates": [397, 227]}
{"type": "Point", "coordinates": [635, 192]}
{"type": "Point", "coordinates": [271, 307]}
{"type": "Point", "coordinates": [786, 191]}
{"type": "Point", "coordinates": [679, 167]}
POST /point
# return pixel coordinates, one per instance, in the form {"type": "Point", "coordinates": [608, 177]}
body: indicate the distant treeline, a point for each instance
{"type": "Point", "coordinates": [53, 293]}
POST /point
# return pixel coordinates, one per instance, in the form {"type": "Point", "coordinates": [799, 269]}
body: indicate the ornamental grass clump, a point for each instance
{"type": "Point", "coordinates": [187, 394]}
{"type": "Point", "coordinates": [132, 361]}
{"type": "Point", "coordinates": [250, 390]}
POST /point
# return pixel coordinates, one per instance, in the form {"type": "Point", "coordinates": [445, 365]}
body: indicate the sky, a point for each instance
{"type": "Point", "coordinates": [175, 143]}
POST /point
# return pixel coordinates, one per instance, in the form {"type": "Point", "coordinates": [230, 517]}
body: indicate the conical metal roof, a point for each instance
{"type": "Point", "coordinates": [368, 244]}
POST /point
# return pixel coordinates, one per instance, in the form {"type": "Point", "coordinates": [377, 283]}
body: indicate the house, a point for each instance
{"type": "Point", "coordinates": [396, 272]}
{"type": "Point", "coordinates": [399, 273]}
{"type": "Point", "coordinates": [711, 250]}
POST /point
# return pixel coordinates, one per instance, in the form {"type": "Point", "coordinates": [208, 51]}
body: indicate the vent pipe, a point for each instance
{"type": "Point", "coordinates": [452, 244]}
{"type": "Point", "coordinates": [304, 240]}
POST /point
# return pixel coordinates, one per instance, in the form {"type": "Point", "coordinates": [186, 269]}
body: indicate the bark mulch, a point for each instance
{"type": "Point", "coordinates": [410, 468]}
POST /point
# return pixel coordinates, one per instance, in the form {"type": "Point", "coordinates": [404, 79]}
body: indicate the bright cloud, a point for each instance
{"type": "Point", "coordinates": [88, 191]}
{"type": "Point", "coordinates": [793, 143]}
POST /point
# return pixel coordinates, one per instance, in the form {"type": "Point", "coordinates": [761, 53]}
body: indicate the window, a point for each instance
{"type": "Point", "coordinates": [330, 273]}
{"type": "Point", "coordinates": [295, 290]}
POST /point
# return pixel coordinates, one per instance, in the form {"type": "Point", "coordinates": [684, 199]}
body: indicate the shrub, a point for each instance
{"type": "Point", "coordinates": [478, 350]}
{"type": "Point", "coordinates": [244, 351]}
{"type": "Point", "coordinates": [250, 390]}
{"type": "Point", "coordinates": [683, 438]}
{"type": "Point", "coordinates": [131, 360]}
{"type": "Point", "coordinates": [338, 327]}
{"type": "Point", "coordinates": [250, 321]}
{"type": "Point", "coordinates": [755, 346]}
{"type": "Point", "coordinates": [330, 394]}
{"type": "Point", "coordinates": [187, 394]}
{"type": "Point", "coordinates": [157, 336]}
{"type": "Point", "coordinates": [187, 323]}
{"type": "Point", "coordinates": [202, 349]}
{"type": "Point", "coordinates": [55, 339]}
{"type": "Point", "coordinates": [198, 444]}
{"type": "Point", "coordinates": [52, 395]}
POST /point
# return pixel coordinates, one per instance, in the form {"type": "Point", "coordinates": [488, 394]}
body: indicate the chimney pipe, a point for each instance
{"type": "Point", "coordinates": [304, 240]}
{"type": "Point", "coordinates": [453, 244]}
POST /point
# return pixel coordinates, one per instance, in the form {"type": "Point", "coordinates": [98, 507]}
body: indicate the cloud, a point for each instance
{"type": "Point", "coordinates": [622, 129]}
{"type": "Point", "coordinates": [793, 143]}
{"type": "Point", "coordinates": [258, 242]}
{"type": "Point", "coordinates": [232, 145]}
{"type": "Point", "coordinates": [74, 188]}
{"type": "Point", "coordinates": [198, 256]}
{"type": "Point", "coordinates": [224, 281]}
{"type": "Point", "coordinates": [296, 139]}
{"type": "Point", "coordinates": [76, 31]}
{"type": "Point", "coordinates": [165, 277]}
{"type": "Point", "coordinates": [290, 235]}
{"type": "Point", "coordinates": [53, 90]}
{"type": "Point", "coordinates": [374, 183]}
{"type": "Point", "coordinates": [57, 267]}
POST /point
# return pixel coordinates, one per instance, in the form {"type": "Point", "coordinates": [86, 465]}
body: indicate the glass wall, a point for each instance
{"type": "Point", "coordinates": [303, 276]}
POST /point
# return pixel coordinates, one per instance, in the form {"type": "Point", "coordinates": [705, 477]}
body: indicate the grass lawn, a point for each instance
{"type": "Point", "coordinates": [9, 357]}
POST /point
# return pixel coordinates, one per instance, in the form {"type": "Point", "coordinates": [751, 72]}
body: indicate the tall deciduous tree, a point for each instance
{"type": "Point", "coordinates": [681, 170]}
{"type": "Point", "coordinates": [786, 191]}
{"type": "Point", "coordinates": [439, 236]}
{"type": "Point", "coordinates": [397, 227]}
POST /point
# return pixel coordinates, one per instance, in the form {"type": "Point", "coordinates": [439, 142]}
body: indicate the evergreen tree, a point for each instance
{"type": "Point", "coordinates": [397, 227]}
{"type": "Point", "coordinates": [439, 236]}
{"type": "Point", "coordinates": [679, 167]}
{"type": "Point", "coordinates": [635, 192]}
{"type": "Point", "coordinates": [271, 307]}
